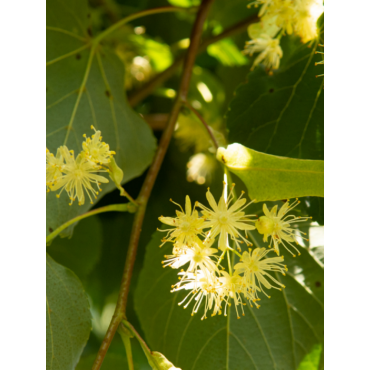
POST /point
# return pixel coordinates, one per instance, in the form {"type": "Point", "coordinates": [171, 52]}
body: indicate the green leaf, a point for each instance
{"type": "Point", "coordinates": [81, 252]}
{"type": "Point", "coordinates": [234, 12]}
{"type": "Point", "coordinates": [68, 319]}
{"type": "Point", "coordinates": [282, 114]}
{"type": "Point", "coordinates": [86, 88]}
{"type": "Point", "coordinates": [269, 177]}
{"type": "Point", "coordinates": [184, 3]}
{"type": "Point", "coordinates": [276, 336]}
{"type": "Point", "coordinates": [158, 53]}
{"type": "Point", "coordinates": [312, 360]}
{"type": "Point", "coordinates": [226, 52]}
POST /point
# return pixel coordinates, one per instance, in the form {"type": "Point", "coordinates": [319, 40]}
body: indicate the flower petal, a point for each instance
{"type": "Point", "coordinates": [211, 201]}
{"type": "Point", "coordinates": [187, 206]}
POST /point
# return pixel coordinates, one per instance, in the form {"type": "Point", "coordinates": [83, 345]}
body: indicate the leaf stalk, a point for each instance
{"type": "Point", "coordinates": [111, 208]}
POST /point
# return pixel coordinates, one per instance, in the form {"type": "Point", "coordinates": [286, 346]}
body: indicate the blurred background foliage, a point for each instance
{"type": "Point", "coordinates": [148, 46]}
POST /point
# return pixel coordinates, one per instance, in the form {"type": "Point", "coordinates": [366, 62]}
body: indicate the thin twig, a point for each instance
{"type": "Point", "coordinates": [120, 311]}
{"type": "Point", "coordinates": [143, 13]}
{"type": "Point", "coordinates": [201, 119]}
{"type": "Point", "coordinates": [137, 96]}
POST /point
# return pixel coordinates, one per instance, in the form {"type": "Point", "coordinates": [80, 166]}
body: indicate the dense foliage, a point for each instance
{"type": "Point", "coordinates": [149, 101]}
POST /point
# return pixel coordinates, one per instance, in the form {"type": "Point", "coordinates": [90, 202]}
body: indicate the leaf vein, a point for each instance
{"type": "Point", "coordinates": [59, 101]}
{"type": "Point", "coordinates": [182, 337]}
{"type": "Point", "coordinates": [263, 335]}
{"type": "Point", "coordinates": [205, 345]}
{"type": "Point", "coordinates": [91, 105]}
{"type": "Point", "coordinates": [309, 118]}
{"type": "Point", "coordinates": [291, 96]}
{"type": "Point", "coordinates": [295, 309]}
{"type": "Point", "coordinates": [77, 19]}
{"type": "Point", "coordinates": [245, 350]}
{"type": "Point", "coordinates": [61, 30]}
{"type": "Point", "coordinates": [290, 320]}
{"type": "Point", "coordinates": [111, 104]}
{"type": "Point", "coordinates": [73, 52]}
{"type": "Point", "coordinates": [81, 89]}
{"type": "Point", "coordinates": [306, 289]}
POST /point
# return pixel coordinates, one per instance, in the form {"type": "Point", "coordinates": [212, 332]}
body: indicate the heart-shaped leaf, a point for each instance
{"type": "Point", "coordinates": [269, 177]}
{"type": "Point", "coordinates": [85, 86]}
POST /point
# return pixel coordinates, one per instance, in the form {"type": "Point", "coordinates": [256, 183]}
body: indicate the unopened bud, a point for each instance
{"type": "Point", "coordinates": [115, 173]}
{"type": "Point", "coordinates": [265, 225]}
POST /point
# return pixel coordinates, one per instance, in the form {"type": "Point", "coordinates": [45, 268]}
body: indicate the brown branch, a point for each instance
{"type": "Point", "coordinates": [139, 95]}
{"type": "Point", "coordinates": [120, 311]}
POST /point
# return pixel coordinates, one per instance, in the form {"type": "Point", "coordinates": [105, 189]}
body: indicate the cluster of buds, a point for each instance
{"type": "Point", "coordinates": [278, 17]}
{"type": "Point", "coordinates": [194, 235]}
{"type": "Point", "coordinates": [78, 175]}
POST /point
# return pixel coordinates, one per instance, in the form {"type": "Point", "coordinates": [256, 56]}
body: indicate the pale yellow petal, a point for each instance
{"type": "Point", "coordinates": [211, 201]}
{"type": "Point", "coordinates": [168, 221]}
{"type": "Point", "coordinates": [187, 206]}
{"type": "Point", "coordinates": [238, 204]}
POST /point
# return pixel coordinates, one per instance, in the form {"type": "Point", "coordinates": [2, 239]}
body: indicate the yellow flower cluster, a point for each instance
{"type": "Point", "coordinates": [193, 237]}
{"type": "Point", "coordinates": [278, 17]}
{"type": "Point", "coordinates": [78, 175]}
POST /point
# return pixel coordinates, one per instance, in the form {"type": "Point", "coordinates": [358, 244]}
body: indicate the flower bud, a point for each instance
{"type": "Point", "coordinates": [265, 225]}
{"type": "Point", "coordinates": [115, 173]}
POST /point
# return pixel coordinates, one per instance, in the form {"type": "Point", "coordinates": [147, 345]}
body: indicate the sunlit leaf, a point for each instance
{"type": "Point", "coordinates": [227, 53]}
{"type": "Point", "coordinates": [184, 3]}
{"type": "Point", "coordinates": [312, 360]}
{"type": "Point", "coordinates": [270, 177]}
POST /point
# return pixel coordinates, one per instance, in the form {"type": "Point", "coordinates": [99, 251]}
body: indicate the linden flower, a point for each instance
{"type": "Point", "coordinates": [230, 288]}
{"type": "Point", "coordinates": [279, 226]}
{"type": "Point", "coordinates": [282, 14]}
{"type": "Point", "coordinates": [307, 14]}
{"type": "Point", "coordinates": [187, 225]}
{"type": "Point", "coordinates": [224, 220]}
{"type": "Point", "coordinates": [255, 268]}
{"type": "Point", "coordinates": [179, 249]}
{"type": "Point", "coordinates": [265, 5]}
{"type": "Point", "coordinates": [78, 174]}
{"type": "Point", "coordinates": [54, 166]}
{"type": "Point", "coordinates": [199, 256]}
{"type": "Point", "coordinates": [200, 286]}
{"type": "Point", "coordinates": [270, 49]}
{"type": "Point", "coordinates": [96, 150]}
